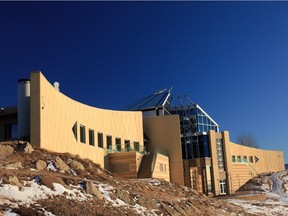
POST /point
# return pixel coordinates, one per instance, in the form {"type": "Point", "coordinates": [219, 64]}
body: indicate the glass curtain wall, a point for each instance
{"type": "Point", "coordinates": [194, 126]}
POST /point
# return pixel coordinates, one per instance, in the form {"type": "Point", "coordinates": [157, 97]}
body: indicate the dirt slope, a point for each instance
{"type": "Point", "coordinates": [44, 183]}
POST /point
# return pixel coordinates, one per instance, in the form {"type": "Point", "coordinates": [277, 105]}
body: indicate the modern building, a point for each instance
{"type": "Point", "coordinates": [150, 138]}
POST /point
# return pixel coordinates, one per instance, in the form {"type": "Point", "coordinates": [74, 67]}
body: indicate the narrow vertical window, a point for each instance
{"type": "Point", "coordinates": [244, 158]}
{"type": "Point", "coordinates": [109, 142]}
{"type": "Point", "coordinates": [100, 140]}
{"type": "Point", "coordinates": [118, 144]}
{"type": "Point", "coordinates": [136, 146]}
{"type": "Point", "coordinates": [82, 134]}
{"type": "Point", "coordinates": [239, 159]}
{"type": "Point", "coordinates": [161, 167]}
{"type": "Point", "coordinates": [91, 137]}
{"type": "Point", "coordinates": [127, 145]}
{"type": "Point", "coordinates": [233, 158]}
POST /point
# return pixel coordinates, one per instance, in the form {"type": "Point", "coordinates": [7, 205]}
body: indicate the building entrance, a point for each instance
{"type": "Point", "coordinates": [222, 185]}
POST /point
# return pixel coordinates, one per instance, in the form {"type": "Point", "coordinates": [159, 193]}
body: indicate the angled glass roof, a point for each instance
{"type": "Point", "coordinates": [150, 102]}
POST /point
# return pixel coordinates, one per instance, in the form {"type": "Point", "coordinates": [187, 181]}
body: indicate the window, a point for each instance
{"type": "Point", "coordinates": [222, 185]}
{"type": "Point", "coordinates": [251, 159]}
{"type": "Point", "coordinates": [109, 142]}
{"type": "Point", "coordinates": [10, 131]}
{"type": "Point", "coordinates": [244, 158]}
{"type": "Point", "coordinates": [136, 146]}
{"type": "Point", "coordinates": [233, 158]}
{"type": "Point", "coordinates": [239, 159]}
{"type": "Point", "coordinates": [204, 146]}
{"type": "Point", "coordinates": [127, 145]}
{"type": "Point", "coordinates": [205, 120]}
{"type": "Point", "coordinates": [100, 140]}
{"type": "Point", "coordinates": [219, 150]}
{"type": "Point", "coordinates": [82, 134]}
{"type": "Point", "coordinates": [91, 137]}
{"type": "Point", "coordinates": [161, 167]}
{"type": "Point", "coordinates": [118, 144]}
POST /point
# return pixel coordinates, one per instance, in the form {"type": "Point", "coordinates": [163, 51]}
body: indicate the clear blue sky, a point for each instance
{"type": "Point", "coordinates": [229, 57]}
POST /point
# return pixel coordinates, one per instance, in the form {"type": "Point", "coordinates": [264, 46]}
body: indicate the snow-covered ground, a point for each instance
{"type": "Point", "coordinates": [276, 202]}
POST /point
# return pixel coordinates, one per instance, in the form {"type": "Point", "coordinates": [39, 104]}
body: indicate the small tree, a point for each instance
{"type": "Point", "coordinates": [247, 139]}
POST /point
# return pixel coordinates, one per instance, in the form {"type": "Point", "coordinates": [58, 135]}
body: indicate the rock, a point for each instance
{"type": "Point", "coordinates": [6, 150]}
{"type": "Point", "coordinates": [28, 149]}
{"type": "Point", "coordinates": [13, 180]}
{"type": "Point", "coordinates": [147, 202]}
{"type": "Point", "coordinates": [93, 190]}
{"type": "Point", "coordinates": [124, 195]}
{"type": "Point", "coordinates": [60, 164]}
{"type": "Point", "coordinates": [37, 179]}
{"type": "Point", "coordinates": [99, 172]}
{"type": "Point", "coordinates": [25, 147]}
{"type": "Point", "coordinates": [49, 180]}
{"type": "Point", "coordinates": [14, 166]}
{"type": "Point", "coordinates": [75, 165]}
{"type": "Point", "coordinates": [41, 165]}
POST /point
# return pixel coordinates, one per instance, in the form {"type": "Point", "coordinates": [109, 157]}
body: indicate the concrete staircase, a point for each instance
{"type": "Point", "coordinates": [242, 173]}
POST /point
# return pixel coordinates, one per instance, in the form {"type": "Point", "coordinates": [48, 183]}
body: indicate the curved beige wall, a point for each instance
{"type": "Point", "coordinates": [268, 160]}
{"type": "Point", "coordinates": [238, 173]}
{"type": "Point", "coordinates": [53, 115]}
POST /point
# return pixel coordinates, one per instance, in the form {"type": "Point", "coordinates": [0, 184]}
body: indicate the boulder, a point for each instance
{"type": "Point", "coordinates": [6, 150]}
{"type": "Point", "coordinates": [75, 165]}
{"type": "Point", "coordinates": [93, 190]}
{"type": "Point", "coordinates": [60, 164]}
{"type": "Point", "coordinates": [13, 180]}
{"type": "Point", "coordinates": [25, 147]}
{"type": "Point", "coordinates": [14, 166]}
{"type": "Point", "coordinates": [49, 180]}
{"type": "Point", "coordinates": [41, 165]}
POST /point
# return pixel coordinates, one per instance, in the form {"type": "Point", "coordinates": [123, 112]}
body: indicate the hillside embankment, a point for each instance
{"type": "Point", "coordinates": [38, 182]}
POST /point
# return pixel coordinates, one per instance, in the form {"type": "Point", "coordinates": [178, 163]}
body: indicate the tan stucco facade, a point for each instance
{"type": "Point", "coordinates": [261, 161]}
{"type": "Point", "coordinates": [164, 132]}
{"type": "Point", "coordinates": [241, 163]}
{"type": "Point", "coordinates": [161, 168]}
{"type": "Point", "coordinates": [125, 164]}
{"type": "Point", "coordinates": [55, 118]}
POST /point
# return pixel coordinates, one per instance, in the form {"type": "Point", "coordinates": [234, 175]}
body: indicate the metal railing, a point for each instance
{"type": "Point", "coordinates": [123, 148]}
{"type": "Point", "coordinates": [249, 164]}
{"type": "Point", "coordinates": [252, 168]}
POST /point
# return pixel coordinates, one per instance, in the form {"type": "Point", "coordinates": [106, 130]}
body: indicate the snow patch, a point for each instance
{"type": "Point", "coordinates": [51, 166]}
{"type": "Point", "coordinates": [9, 213]}
{"type": "Point", "coordinates": [32, 192]}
